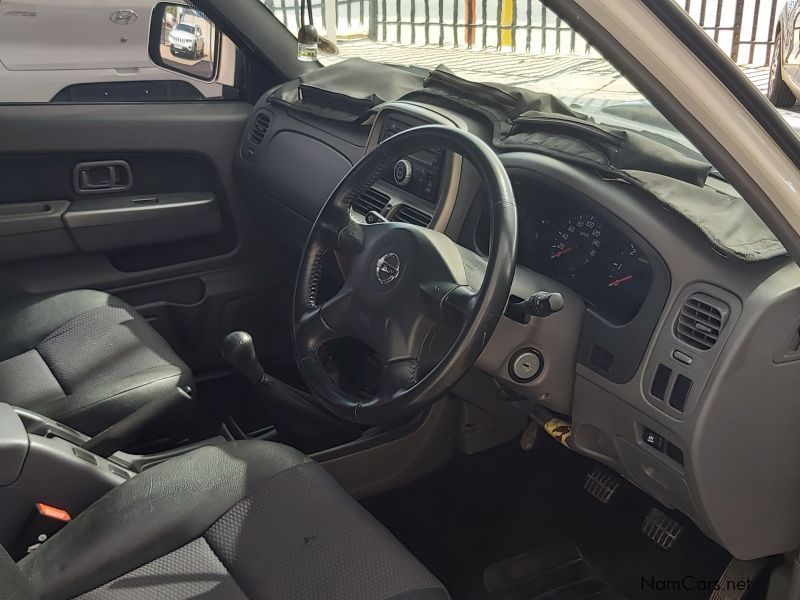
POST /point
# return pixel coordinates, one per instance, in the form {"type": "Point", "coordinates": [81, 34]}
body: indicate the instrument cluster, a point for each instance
{"type": "Point", "coordinates": [582, 249]}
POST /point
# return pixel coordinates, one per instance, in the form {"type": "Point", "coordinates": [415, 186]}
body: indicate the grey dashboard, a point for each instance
{"type": "Point", "coordinates": [677, 366]}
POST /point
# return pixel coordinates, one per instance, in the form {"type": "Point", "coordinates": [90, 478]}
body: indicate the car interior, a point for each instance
{"type": "Point", "coordinates": [339, 334]}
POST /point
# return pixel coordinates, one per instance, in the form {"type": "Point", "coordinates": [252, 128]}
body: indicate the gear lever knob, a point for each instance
{"type": "Point", "coordinates": [240, 352]}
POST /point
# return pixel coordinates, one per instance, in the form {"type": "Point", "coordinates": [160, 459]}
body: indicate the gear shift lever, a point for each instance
{"type": "Point", "coordinates": [315, 425]}
{"type": "Point", "coordinates": [240, 352]}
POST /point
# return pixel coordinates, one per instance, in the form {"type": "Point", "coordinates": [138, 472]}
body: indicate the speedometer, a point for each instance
{"type": "Point", "coordinates": [576, 243]}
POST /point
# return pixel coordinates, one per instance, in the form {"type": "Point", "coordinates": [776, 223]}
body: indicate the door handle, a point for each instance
{"type": "Point", "coordinates": [102, 177]}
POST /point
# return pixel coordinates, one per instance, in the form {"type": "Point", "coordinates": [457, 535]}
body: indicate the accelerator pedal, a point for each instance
{"type": "Point", "coordinates": [602, 484]}
{"type": "Point", "coordinates": [738, 578]}
{"type": "Point", "coordinates": [661, 528]}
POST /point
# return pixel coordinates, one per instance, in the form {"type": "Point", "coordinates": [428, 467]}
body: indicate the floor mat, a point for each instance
{"type": "Point", "coordinates": [484, 509]}
{"type": "Point", "coordinates": [557, 571]}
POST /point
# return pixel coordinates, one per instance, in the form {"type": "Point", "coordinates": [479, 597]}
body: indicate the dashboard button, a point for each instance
{"type": "Point", "coordinates": [402, 172]}
{"type": "Point", "coordinates": [682, 357]}
{"type": "Point", "coordinates": [652, 439]}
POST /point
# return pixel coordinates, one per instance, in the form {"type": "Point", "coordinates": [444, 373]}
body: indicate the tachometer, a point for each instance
{"type": "Point", "coordinates": [576, 243]}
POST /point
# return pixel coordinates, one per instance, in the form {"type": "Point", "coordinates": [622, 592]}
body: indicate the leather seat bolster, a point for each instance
{"type": "Point", "coordinates": [151, 515]}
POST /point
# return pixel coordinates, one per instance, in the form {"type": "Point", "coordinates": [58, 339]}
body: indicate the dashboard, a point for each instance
{"type": "Point", "coordinates": [679, 415]}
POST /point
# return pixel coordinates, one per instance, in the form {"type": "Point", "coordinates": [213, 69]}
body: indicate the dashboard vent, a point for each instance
{"type": "Point", "coordinates": [372, 199]}
{"type": "Point", "coordinates": [701, 320]}
{"type": "Point", "coordinates": [413, 216]}
{"type": "Point", "coordinates": [260, 127]}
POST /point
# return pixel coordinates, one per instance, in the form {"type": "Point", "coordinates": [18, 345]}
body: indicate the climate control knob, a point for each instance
{"type": "Point", "coordinates": [402, 172]}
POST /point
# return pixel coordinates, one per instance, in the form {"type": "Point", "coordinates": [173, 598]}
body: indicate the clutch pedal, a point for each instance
{"type": "Point", "coordinates": [602, 484]}
{"type": "Point", "coordinates": [661, 528]}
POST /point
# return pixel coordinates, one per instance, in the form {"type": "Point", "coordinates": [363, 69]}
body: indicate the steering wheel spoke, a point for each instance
{"type": "Point", "coordinates": [397, 377]}
{"type": "Point", "coordinates": [450, 303]}
{"type": "Point", "coordinates": [327, 321]}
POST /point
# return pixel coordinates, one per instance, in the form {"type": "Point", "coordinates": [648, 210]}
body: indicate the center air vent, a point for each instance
{"type": "Point", "coordinates": [372, 199]}
{"type": "Point", "coordinates": [701, 320]}
{"type": "Point", "coordinates": [260, 127]}
{"type": "Point", "coordinates": [409, 214]}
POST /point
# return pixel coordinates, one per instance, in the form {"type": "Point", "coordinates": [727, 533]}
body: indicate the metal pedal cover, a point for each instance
{"type": "Point", "coordinates": [662, 529]}
{"type": "Point", "coordinates": [602, 484]}
{"type": "Point", "coordinates": [738, 578]}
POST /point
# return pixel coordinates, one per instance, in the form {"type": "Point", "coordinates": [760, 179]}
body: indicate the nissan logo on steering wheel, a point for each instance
{"type": "Point", "coordinates": [387, 268]}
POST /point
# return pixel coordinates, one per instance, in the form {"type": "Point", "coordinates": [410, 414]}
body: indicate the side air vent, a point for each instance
{"type": "Point", "coordinates": [372, 199]}
{"type": "Point", "coordinates": [409, 214]}
{"type": "Point", "coordinates": [701, 320]}
{"type": "Point", "coordinates": [260, 127]}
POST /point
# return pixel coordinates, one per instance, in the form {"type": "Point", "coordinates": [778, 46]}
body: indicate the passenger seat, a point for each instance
{"type": "Point", "coordinates": [84, 358]}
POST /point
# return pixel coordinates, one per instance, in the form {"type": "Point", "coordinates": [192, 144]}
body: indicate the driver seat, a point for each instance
{"type": "Point", "coordinates": [243, 521]}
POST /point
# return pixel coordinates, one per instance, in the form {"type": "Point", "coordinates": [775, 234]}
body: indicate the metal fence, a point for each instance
{"type": "Point", "coordinates": [743, 28]}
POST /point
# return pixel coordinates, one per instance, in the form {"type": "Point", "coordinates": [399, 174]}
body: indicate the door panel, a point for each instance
{"type": "Point", "coordinates": [176, 243]}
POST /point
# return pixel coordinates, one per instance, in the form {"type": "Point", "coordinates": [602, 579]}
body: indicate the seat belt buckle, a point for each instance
{"type": "Point", "coordinates": [43, 522]}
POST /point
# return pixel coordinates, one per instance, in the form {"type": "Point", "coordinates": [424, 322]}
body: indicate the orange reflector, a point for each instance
{"type": "Point", "coordinates": [51, 512]}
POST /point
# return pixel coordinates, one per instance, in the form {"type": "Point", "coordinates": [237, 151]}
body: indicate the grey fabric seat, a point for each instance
{"type": "Point", "coordinates": [247, 520]}
{"type": "Point", "coordinates": [84, 358]}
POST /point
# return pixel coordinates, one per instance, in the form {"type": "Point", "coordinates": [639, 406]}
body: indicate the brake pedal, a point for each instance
{"type": "Point", "coordinates": [661, 528]}
{"type": "Point", "coordinates": [602, 484]}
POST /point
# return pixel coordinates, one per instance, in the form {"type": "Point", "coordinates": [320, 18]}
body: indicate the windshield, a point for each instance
{"type": "Point", "coordinates": [515, 42]}
{"type": "Point", "coordinates": [185, 27]}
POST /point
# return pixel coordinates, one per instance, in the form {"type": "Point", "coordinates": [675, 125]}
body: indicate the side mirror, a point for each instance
{"type": "Point", "coordinates": [183, 39]}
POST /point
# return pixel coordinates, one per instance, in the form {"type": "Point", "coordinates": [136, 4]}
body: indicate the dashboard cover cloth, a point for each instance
{"type": "Point", "coordinates": [540, 122]}
{"type": "Point", "coordinates": [346, 91]}
{"type": "Point", "coordinates": [728, 222]}
{"type": "Point", "coordinates": [524, 120]}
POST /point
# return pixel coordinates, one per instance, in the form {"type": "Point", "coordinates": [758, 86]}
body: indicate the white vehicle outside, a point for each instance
{"type": "Point", "coordinates": [49, 45]}
{"type": "Point", "coordinates": [187, 39]}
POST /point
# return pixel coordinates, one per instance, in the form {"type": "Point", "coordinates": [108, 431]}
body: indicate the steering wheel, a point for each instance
{"type": "Point", "coordinates": [402, 284]}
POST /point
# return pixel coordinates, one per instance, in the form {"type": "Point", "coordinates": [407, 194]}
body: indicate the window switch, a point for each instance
{"type": "Point", "coordinates": [674, 453]}
{"type": "Point", "coordinates": [680, 392]}
{"type": "Point", "coordinates": [660, 382]}
{"type": "Point", "coordinates": [653, 440]}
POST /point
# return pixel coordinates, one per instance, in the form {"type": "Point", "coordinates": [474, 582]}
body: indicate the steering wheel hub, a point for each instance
{"type": "Point", "coordinates": [387, 268]}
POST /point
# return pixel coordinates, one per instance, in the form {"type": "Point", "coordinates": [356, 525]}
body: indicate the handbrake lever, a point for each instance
{"type": "Point", "coordinates": [122, 434]}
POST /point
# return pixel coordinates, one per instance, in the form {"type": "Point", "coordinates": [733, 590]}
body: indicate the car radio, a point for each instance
{"type": "Point", "coordinates": [420, 173]}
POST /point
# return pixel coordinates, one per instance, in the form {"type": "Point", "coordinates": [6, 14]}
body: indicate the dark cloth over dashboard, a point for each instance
{"type": "Point", "coordinates": [524, 120]}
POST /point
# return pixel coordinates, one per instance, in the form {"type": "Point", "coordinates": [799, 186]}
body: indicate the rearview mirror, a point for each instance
{"type": "Point", "coordinates": [183, 39]}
